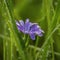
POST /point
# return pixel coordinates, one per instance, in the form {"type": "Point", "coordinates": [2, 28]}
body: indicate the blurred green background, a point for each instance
{"type": "Point", "coordinates": [44, 12]}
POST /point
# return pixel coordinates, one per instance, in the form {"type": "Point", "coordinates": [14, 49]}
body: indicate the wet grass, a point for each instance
{"type": "Point", "coordinates": [44, 12]}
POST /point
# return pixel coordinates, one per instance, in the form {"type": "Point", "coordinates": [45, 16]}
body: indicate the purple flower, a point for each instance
{"type": "Point", "coordinates": [32, 29]}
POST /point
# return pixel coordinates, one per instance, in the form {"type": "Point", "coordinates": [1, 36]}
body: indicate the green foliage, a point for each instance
{"type": "Point", "coordinates": [44, 12]}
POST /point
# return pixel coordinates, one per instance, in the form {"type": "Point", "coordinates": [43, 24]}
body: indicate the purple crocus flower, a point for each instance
{"type": "Point", "coordinates": [32, 29]}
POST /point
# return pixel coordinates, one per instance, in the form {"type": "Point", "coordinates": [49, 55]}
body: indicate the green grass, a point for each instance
{"type": "Point", "coordinates": [44, 12]}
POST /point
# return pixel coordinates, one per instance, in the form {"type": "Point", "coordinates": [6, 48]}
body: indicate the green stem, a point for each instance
{"type": "Point", "coordinates": [27, 41]}
{"type": "Point", "coordinates": [4, 45]}
{"type": "Point", "coordinates": [39, 49]}
{"type": "Point", "coordinates": [52, 49]}
{"type": "Point", "coordinates": [11, 44]}
{"type": "Point", "coordinates": [15, 37]}
{"type": "Point", "coordinates": [4, 49]}
{"type": "Point", "coordinates": [36, 44]}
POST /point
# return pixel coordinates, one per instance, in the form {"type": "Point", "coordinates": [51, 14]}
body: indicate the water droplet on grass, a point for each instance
{"type": "Point", "coordinates": [9, 29]}
{"type": "Point", "coordinates": [56, 3]}
{"type": "Point", "coordinates": [6, 34]}
{"type": "Point", "coordinates": [47, 54]}
{"type": "Point", "coordinates": [17, 49]}
{"type": "Point", "coordinates": [9, 21]}
{"type": "Point", "coordinates": [12, 55]}
{"type": "Point", "coordinates": [49, 46]}
{"type": "Point", "coordinates": [6, 44]}
{"type": "Point", "coordinates": [40, 56]}
{"type": "Point", "coordinates": [42, 50]}
{"type": "Point", "coordinates": [19, 57]}
{"type": "Point", "coordinates": [5, 14]}
{"type": "Point", "coordinates": [0, 2]}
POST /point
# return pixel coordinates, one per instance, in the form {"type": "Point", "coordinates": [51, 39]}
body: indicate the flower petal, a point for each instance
{"type": "Point", "coordinates": [39, 33]}
{"type": "Point", "coordinates": [32, 36]}
{"type": "Point", "coordinates": [21, 23]}
{"type": "Point", "coordinates": [27, 25]}
{"type": "Point", "coordinates": [17, 23]}
{"type": "Point", "coordinates": [19, 26]}
{"type": "Point", "coordinates": [34, 28]}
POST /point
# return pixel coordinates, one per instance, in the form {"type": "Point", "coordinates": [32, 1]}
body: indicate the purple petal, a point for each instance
{"type": "Point", "coordinates": [21, 23]}
{"type": "Point", "coordinates": [27, 25]}
{"type": "Point", "coordinates": [34, 28]}
{"type": "Point", "coordinates": [32, 36]}
{"type": "Point", "coordinates": [39, 33]}
{"type": "Point", "coordinates": [17, 23]}
{"type": "Point", "coordinates": [19, 26]}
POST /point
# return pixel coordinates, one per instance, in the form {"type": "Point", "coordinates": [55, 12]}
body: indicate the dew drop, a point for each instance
{"type": "Point", "coordinates": [6, 34]}
{"type": "Point", "coordinates": [39, 59]}
{"type": "Point", "coordinates": [0, 2]}
{"type": "Point", "coordinates": [19, 57]}
{"type": "Point", "coordinates": [9, 21]}
{"type": "Point", "coordinates": [49, 47]}
{"type": "Point", "coordinates": [5, 14]}
{"type": "Point", "coordinates": [17, 49]}
{"type": "Point", "coordinates": [52, 10]}
{"type": "Point", "coordinates": [12, 55]}
{"type": "Point", "coordinates": [56, 3]}
{"type": "Point", "coordinates": [40, 56]}
{"type": "Point", "coordinates": [6, 44]}
{"type": "Point", "coordinates": [2, 7]}
{"type": "Point", "coordinates": [23, 38]}
{"type": "Point", "coordinates": [47, 54]}
{"type": "Point", "coordinates": [42, 50]}
{"type": "Point", "coordinates": [58, 33]}
{"type": "Point", "coordinates": [9, 29]}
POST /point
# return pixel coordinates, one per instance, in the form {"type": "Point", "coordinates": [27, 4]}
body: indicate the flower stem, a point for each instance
{"type": "Point", "coordinates": [36, 44]}
{"type": "Point", "coordinates": [52, 49]}
{"type": "Point", "coordinates": [27, 41]}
